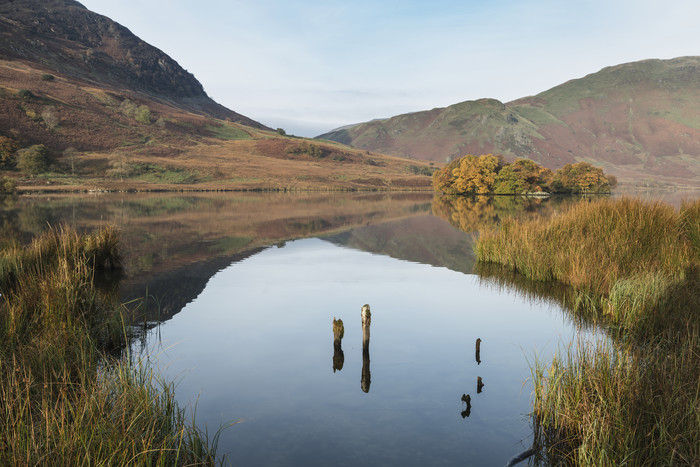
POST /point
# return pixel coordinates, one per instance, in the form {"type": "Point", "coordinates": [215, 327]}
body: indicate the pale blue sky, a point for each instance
{"type": "Point", "coordinates": [311, 66]}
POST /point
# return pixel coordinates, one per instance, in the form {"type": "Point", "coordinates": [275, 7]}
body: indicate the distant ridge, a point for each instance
{"type": "Point", "coordinates": [640, 121]}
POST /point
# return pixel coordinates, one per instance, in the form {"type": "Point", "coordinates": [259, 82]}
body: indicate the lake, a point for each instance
{"type": "Point", "coordinates": [242, 291]}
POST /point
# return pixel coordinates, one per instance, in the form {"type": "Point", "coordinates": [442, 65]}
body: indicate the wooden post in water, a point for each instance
{"type": "Point", "coordinates": [366, 321]}
{"type": "Point", "coordinates": [338, 355]}
{"type": "Point", "coordinates": [366, 376]}
{"type": "Point", "coordinates": [478, 351]}
{"type": "Point", "coordinates": [479, 385]}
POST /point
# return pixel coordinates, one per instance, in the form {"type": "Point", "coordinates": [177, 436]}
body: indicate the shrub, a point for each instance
{"type": "Point", "coordinates": [306, 148]}
{"type": "Point", "coordinates": [128, 108]}
{"type": "Point", "coordinates": [421, 170]}
{"type": "Point", "coordinates": [7, 186]}
{"type": "Point", "coordinates": [25, 94]}
{"type": "Point", "coordinates": [8, 150]}
{"type": "Point", "coordinates": [33, 160]}
{"type": "Point", "coordinates": [47, 77]}
{"type": "Point", "coordinates": [140, 113]}
{"type": "Point", "coordinates": [143, 114]}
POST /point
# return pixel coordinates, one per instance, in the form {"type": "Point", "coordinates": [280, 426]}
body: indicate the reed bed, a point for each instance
{"type": "Point", "coordinates": [67, 397]}
{"type": "Point", "coordinates": [634, 266]}
{"type": "Point", "coordinates": [635, 262]}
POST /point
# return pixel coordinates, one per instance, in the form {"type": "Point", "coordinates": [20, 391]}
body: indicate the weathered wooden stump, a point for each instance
{"type": "Point", "coordinates": [479, 384]}
{"type": "Point", "coordinates": [366, 322]}
{"type": "Point", "coordinates": [338, 355]}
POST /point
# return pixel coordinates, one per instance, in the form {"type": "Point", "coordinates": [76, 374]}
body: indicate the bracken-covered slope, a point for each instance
{"type": "Point", "coordinates": [639, 121]}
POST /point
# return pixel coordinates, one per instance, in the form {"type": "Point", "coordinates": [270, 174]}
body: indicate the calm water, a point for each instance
{"type": "Point", "coordinates": [257, 345]}
{"type": "Point", "coordinates": [247, 288]}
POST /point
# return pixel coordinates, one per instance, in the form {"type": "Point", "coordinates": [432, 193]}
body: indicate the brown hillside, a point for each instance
{"type": "Point", "coordinates": [639, 121]}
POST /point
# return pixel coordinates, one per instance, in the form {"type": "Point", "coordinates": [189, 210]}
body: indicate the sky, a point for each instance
{"type": "Point", "coordinates": [309, 66]}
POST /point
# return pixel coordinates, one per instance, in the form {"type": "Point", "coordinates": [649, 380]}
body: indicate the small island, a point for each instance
{"type": "Point", "coordinates": [489, 174]}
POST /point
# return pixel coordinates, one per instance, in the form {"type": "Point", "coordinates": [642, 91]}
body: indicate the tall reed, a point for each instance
{"type": "Point", "coordinates": [67, 399]}
{"type": "Point", "coordinates": [635, 266]}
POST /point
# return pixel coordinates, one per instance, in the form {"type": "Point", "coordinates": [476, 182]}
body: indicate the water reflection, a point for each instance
{"type": "Point", "coordinates": [471, 213]}
{"type": "Point", "coordinates": [338, 355]}
{"type": "Point", "coordinates": [467, 400]}
{"type": "Point", "coordinates": [174, 244]}
{"type": "Point", "coordinates": [478, 351]}
{"type": "Point", "coordinates": [366, 379]}
{"type": "Point", "coordinates": [503, 279]}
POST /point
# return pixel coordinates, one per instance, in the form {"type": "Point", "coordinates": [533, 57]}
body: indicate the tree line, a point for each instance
{"type": "Point", "coordinates": [489, 174]}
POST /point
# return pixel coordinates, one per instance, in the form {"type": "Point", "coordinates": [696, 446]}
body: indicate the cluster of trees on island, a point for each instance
{"type": "Point", "coordinates": [489, 174]}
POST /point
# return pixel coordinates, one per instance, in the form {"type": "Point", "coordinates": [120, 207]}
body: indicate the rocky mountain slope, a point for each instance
{"type": "Point", "coordinates": [70, 40]}
{"type": "Point", "coordinates": [639, 121]}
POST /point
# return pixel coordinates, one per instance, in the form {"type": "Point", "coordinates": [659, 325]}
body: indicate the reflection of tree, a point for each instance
{"type": "Point", "coordinates": [473, 213]}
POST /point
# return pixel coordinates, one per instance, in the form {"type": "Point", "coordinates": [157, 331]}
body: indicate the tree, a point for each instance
{"type": "Point", "coordinates": [8, 149]}
{"type": "Point", "coordinates": [581, 177]}
{"type": "Point", "coordinates": [50, 117]}
{"type": "Point", "coordinates": [33, 160]}
{"type": "Point", "coordinates": [523, 176]}
{"type": "Point", "coordinates": [443, 178]}
{"type": "Point", "coordinates": [476, 175]}
{"type": "Point", "coordinates": [70, 154]}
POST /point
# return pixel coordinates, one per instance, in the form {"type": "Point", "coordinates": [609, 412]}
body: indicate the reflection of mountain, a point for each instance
{"type": "Point", "coordinates": [173, 244]}
{"type": "Point", "coordinates": [423, 239]}
{"type": "Point", "coordinates": [172, 290]}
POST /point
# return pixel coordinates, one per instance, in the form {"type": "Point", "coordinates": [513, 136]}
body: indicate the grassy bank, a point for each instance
{"type": "Point", "coordinates": [633, 267]}
{"type": "Point", "coordinates": [67, 397]}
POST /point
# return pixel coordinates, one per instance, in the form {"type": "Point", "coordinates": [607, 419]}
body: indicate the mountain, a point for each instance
{"type": "Point", "coordinates": [68, 39]}
{"type": "Point", "coordinates": [639, 121]}
{"type": "Point", "coordinates": [116, 113]}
